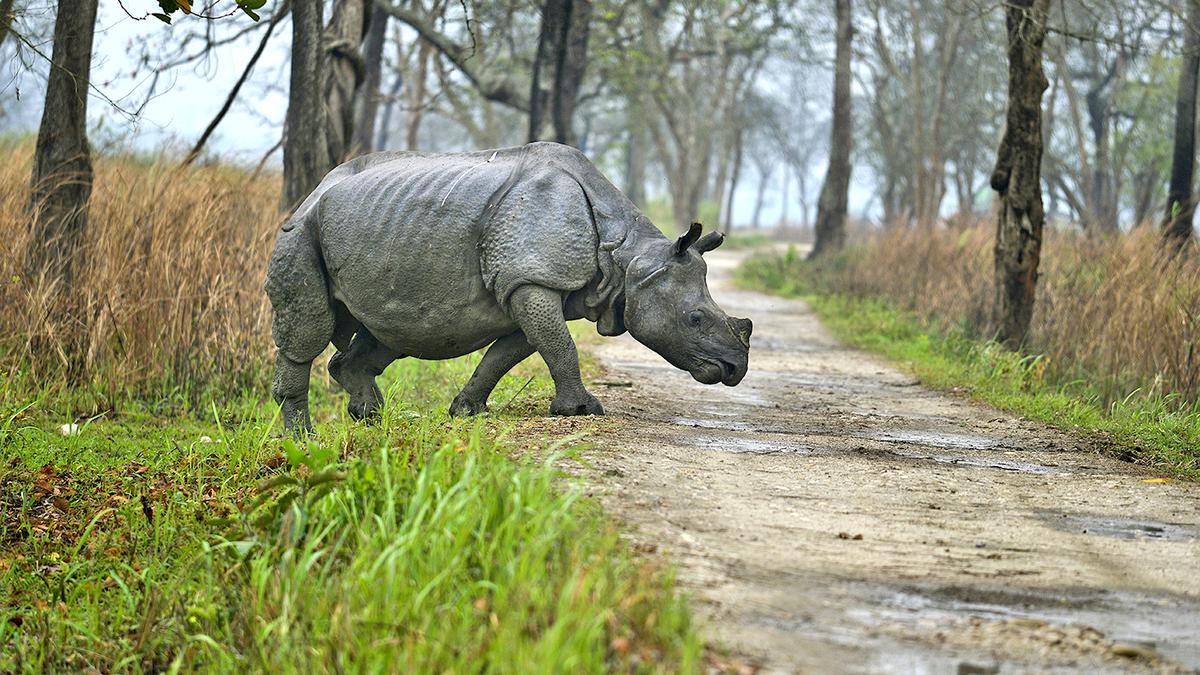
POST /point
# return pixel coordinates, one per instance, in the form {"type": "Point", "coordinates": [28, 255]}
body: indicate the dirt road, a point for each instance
{"type": "Point", "coordinates": [831, 515]}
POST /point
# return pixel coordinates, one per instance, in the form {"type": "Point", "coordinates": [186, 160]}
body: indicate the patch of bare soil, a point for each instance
{"type": "Point", "coordinates": [831, 515]}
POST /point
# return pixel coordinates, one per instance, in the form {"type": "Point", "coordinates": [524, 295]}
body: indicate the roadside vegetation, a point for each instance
{"type": "Point", "coordinates": [152, 518]}
{"type": "Point", "coordinates": [166, 308]}
{"type": "Point", "coordinates": [1112, 345]}
{"type": "Point", "coordinates": [739, 241]}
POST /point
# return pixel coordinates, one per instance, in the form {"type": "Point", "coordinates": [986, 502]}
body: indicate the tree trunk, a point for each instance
{"type": "Point", "coordinates": [635, 156]}
{"type": "Point", "coordinates": [728, 155]}
{"type": "Point", "coordinates": [416, 98]}
{"type": "Point", "coordinates": [1145, 186]}
{"type": "Point", "coordinates": [1181, 205]}
{"type": "Point", "coordinates": [1017, 176]}
{"type": "Point", "coordinates": [964, 190]}
{"type": "Point", "coordinates": [890, 196]}
{"type": "Point", "coordinates": [366, 107]}
{"type": "Point", "coordinates": [738, 150]}
{"type": "Point", "coordinates": [716, 191]}
{"type": "Point", "coordinates": [571, 65]}
{"type": "Point", "coordinates": [835, 193]}
{"type": "Point", "coordinates": [345, 75]}
{"type": "Point", "coordinates": [764, 178]}
{"type": "Point", "coordinates": [784, 201]}
{"type": "Point", "coordinates": [6, 19]}
{"type": "Point", "coordinates": [685, 199]}
{"type": "Point", "coordinates": [62, 167]}
{"type": "Point", "coordinates": [802, 195]}
{"type": "Point", "coordinates": [1103, 197]}
{"type": "Point", "coordinates": [552, 19]}
{"type": "Point", "coordinates": [561, 58]}
{"type": "Point", "coordinates": [933, 163]}
{"type": "Point", "coordinates": [385, 120]}
{"type": "Point", "coordinates": [305, 148]}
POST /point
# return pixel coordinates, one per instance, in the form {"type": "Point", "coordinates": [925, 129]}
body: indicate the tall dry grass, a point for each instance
{"type": "Point", "coordinates": [167, 300]}
{"type": "Point", "coordinates": [1119, 313]}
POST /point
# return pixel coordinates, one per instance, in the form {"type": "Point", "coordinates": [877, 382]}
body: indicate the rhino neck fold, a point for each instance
{"type": "Point", "coordinates": [620, 239]}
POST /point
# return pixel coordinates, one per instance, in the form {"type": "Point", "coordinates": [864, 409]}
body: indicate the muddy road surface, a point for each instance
{"type": "Point", "coordinates": [832, 515]}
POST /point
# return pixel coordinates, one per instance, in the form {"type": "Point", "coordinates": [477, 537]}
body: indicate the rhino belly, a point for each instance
{"type": "Point", "coordinates": [423, 309]}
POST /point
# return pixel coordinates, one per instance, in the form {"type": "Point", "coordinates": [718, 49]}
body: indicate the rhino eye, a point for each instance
{"type": "Point", "coordinates": [696, 318]}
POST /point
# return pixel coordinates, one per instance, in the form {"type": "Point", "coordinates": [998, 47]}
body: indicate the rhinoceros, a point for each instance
{"type": "Point", "coordinates": [434, 256]}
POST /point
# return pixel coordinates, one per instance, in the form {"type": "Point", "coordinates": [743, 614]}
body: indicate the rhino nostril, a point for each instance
{"type": "Point", "coordinates": [727, 368]}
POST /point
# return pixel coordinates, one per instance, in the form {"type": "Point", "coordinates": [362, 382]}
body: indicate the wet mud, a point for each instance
{"type": "Point", "coordinates": [831, 515]}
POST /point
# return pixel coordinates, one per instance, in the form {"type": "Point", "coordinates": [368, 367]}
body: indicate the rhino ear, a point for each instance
{"type": "Point", "coordinates": [708, 242]}
{"type": "Point", "coordinates": [685, 241]}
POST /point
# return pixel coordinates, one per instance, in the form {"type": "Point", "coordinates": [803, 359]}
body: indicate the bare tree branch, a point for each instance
{"type": "Point", "coordinates": [492, 88]}
{"type": "Point", "coordinates": [237, 87]}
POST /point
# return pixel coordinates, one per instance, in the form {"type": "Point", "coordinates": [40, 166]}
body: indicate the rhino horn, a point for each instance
{"type": "Point", "coordinates": [741, 329]}
{"type": "Point", "coordinates": [686, 240]}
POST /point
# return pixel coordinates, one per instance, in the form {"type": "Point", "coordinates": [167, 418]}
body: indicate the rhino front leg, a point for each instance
{"type": "Point", "coordinates": [539, 312]}
{"type": "Point", "coordinates": [290, 390]}
{"type": "Point", "coordinates": [501, 357]}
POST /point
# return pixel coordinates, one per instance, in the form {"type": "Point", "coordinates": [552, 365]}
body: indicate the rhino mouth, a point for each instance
{"type": "Point", "coordinates": [712, 371]}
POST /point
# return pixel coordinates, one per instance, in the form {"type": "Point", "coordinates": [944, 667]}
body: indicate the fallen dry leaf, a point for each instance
{"type": "Point", "coordinates": [147, 510]}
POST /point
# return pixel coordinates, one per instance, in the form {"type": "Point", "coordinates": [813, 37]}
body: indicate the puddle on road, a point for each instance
{"type": "Point", "coordinates": [728, 425]}
{"type": "Point", "coordinates": [986, 463]}
{"type": "Point", "coordinates": [1164, 624]}
{"type": "Point", "coordinates": [743, 395]}
{"type": "Point", "coordinates": [938, 439]}
{"type": "Point", "coordinates": [1120, 528]}
{"type": "Point", "coordinates": [748, 445]}
{"type": "Point", "coordinates": [959, 441]}
{"type": "Point", "coordinates": [822, 384]}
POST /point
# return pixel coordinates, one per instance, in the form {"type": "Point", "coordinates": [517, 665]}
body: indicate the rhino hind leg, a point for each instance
{"type": "Point", "coordinates": [344, 326]}
{"type": "Point", "coordinates": [356, 367]}
{"type": "Point", "coordinates": [500, 358]}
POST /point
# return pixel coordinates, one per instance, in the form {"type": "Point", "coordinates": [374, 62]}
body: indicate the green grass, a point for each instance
{"type": "Point", "coordinates": [417, 543]}
{"type": "Point", "coordinates": [1161, 431]}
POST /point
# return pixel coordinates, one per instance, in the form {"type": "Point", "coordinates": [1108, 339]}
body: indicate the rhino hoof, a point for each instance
{"type": "Point", "coordinates": [588, 406]}
{"type": "Point", "coordinates": [363, 410]}
{"type": "Point", "coordinates": [463, 406]}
